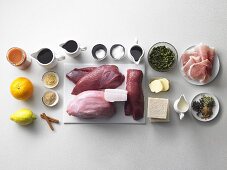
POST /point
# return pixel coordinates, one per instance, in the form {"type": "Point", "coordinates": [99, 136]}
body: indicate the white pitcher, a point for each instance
{"type": "Point", "coordinates": [130, 55]}
{"type": "Point", "coordinates": [76, 52]}
{"type": "Point", "coordinates": [181, 106]}
{"type": "Point", "coordinates": [55, 59]}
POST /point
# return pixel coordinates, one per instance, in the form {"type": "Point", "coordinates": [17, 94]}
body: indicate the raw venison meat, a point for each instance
{"type": "Point", "coordinates": [135, 104]}
{"type": "Point", "coordinates": [77, 73]}
{"type": "Point", "coordinates": [103, 77]}
{"type": "Point", "coordinates": [90, 105]}
{"type": "Point", "coordinates": [198, 62]}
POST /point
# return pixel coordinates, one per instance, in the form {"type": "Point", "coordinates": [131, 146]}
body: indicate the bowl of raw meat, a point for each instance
{"type": "Point", "coordinates": [199, 64]}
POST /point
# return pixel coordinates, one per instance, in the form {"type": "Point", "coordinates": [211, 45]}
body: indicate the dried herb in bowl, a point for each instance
{"type": "Point", "coordinates": [161, 58]}
{"type": "Point", "coordinates": [204, 107]}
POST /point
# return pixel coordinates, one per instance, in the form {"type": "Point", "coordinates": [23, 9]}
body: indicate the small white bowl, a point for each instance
{"type": "Point", "coordinates": [56, 101]}
{"type": "Point", "coordinates": [115, 46]}
{"type": "Point", "coordinates": [57, 78]}
{"type": "Point", "coordinates": [96, 48]}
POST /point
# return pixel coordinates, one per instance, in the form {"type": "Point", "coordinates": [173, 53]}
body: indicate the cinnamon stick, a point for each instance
{"type": "Point", "coordinates": [53, 120]}
{"type": "Point", "coordinates": [47, 120]}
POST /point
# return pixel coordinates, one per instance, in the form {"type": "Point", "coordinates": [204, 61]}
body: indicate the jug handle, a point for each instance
{"type": "Point", "coordinates": [32, 55]}
{"type": "Point", "coordinates": [83, 48]}
{"type": "Point", "coordinates": [136, 40]}
{"type": "Point", "coordinates": [181, 116]}
{"type": "Point", "coordinates": [60, 58]}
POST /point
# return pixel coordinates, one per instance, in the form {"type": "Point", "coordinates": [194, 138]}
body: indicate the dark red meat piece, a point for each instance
{"type": "Point", "coordinates": [77, 73]}
{"type": "Point", "coordinates": [135, 104]}
{"type": "Point", "coordinates": [103, 77]}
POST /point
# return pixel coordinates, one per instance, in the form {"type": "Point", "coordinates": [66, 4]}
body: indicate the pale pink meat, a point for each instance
{"type": "Point", "coordinates": [205, 52]}
{"type": "Point", "coordinates": [89, 105]}
{"type": "Point", "coordinates": [186, 56]}
{"type": "Point", "coordinates": [186, 67]}
{"type": "Point", "coordinates": [198, 63]}
{"type": "Point", "coordinates": [198, 72]}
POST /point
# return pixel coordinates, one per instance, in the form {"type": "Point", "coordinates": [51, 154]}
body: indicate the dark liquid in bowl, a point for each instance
{"type": "Point", "coordinates": [136, 52]}
{"type": "Point", "coordinates": [70, 46]}
{"type": "Point", "coordinates": [45, 56]}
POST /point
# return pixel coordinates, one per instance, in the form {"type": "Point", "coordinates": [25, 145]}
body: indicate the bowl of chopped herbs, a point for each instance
{"type": "Point", "coordinates": [205, 107]}
{"type": "Point", "coordinates": [162, 56]}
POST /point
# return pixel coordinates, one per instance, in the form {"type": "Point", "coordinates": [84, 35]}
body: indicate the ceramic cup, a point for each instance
{"type": "Point", "coordinates": [72, 48]}
{"type": "Point", "coordinates": [136, 52]}
{"type": "Point", "coordinates": [99, 52]}
{"type": "Point", "coordinates": [117, 51]}
{"type": "Point", "coordinates": [47, 58]}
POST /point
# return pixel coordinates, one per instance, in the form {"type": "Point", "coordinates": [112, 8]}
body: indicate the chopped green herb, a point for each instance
{"type": "Point", "coordinates": [161, 58]}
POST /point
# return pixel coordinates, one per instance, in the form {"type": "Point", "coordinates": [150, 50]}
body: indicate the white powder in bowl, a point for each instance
{"type": "Point", "coordinates": [118, 52]}
{"type": "Point", "coordinates": [100, 54]}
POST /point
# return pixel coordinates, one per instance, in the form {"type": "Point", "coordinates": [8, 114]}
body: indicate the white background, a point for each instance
{"type": "Point", "coordinates": [177, 145]}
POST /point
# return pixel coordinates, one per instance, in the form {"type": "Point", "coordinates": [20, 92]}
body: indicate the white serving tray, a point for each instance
{"type": "Point", "coordinates": [119, 117]}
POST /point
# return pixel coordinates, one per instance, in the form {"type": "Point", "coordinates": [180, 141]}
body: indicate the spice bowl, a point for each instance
{"type": "Point", "coordinates": [99, 52]}
{"type": "Point", "coordinates": [162, 57]}
{"type": "Point", "coordinates": [117, 51]}
{"type": "Point", "coordinates": [50, 79]}
{"type": "Point", "coordinates": [50, 98]}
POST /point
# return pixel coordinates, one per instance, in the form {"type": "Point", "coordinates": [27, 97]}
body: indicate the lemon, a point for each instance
{"type": "Point", "coordinates": [21, 88]}
{"type": "Point", "coordinates": [23, 117]}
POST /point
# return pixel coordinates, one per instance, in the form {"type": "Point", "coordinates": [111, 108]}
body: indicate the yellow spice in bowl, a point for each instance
{"type": "Point", "coordinates": [50, 79]}
{"type": "Point", "coordinates": [49, 98]}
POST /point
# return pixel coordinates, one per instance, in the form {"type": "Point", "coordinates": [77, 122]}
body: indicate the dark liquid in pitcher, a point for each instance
{"type": "Point", "coordinates": [45, 56]}
{"type": "Point", "coordinates": [70, 46]}
{"type": "Point", "coordinates": [136, 52]}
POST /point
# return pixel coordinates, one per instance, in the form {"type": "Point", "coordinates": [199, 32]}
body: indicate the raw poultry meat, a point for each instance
{"type": "Point", "coordinates": [198, 62]}
{"type": "Point", "coordinates": [77, 73]}
{"type": "Point", "coordinates": [135, 104]}
{"type": "Point", "coordinates": [89, 105]}
{"type": "Point", "coordinates": [103, 77]}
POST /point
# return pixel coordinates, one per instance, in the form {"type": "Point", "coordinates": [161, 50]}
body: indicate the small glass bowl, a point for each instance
{"type": "Point", "coordinates": [167, 45]}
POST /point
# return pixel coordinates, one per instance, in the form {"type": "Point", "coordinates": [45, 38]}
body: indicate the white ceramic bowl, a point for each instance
{"type": "Point", "coordinates": [56, 101]}
{"type": "Point", "coordinates": [48, 86]}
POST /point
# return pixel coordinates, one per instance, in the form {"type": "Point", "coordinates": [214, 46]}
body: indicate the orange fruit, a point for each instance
{"type": "Point", "coordinates": [21, 88]}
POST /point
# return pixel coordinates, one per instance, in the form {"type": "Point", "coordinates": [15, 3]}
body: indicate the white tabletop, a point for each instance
{"type": "Point", "coordinates": [177, 145]}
